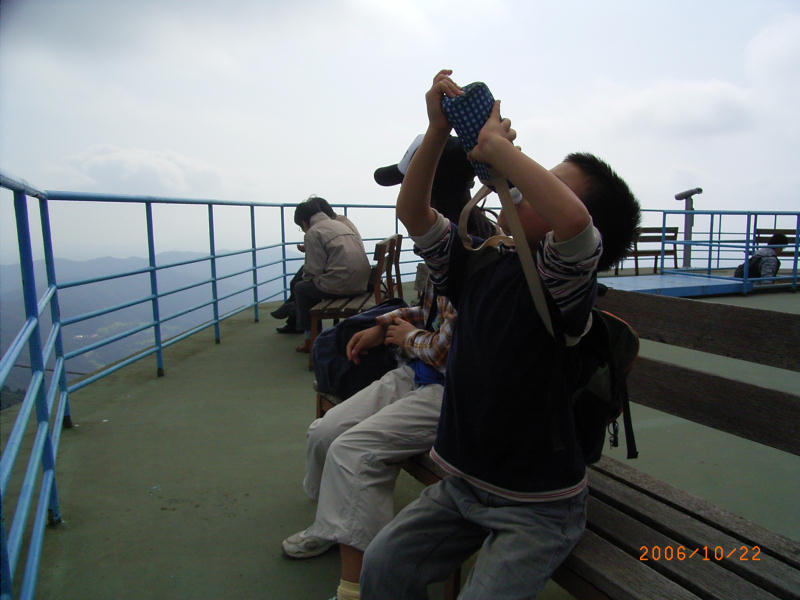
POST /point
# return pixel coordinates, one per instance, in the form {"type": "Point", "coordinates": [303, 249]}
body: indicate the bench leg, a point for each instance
{"type": "Point", "coordinates": [452, 586]}
{"type": "Point", "coordinates": [315, 327]}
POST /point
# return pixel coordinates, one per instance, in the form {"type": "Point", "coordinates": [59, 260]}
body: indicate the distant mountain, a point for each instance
{"type": "Point", "coordinates": [95, 297]}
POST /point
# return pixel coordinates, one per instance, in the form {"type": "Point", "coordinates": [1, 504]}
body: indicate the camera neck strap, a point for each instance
{"type": "Point", "coordinates": [517, 239]}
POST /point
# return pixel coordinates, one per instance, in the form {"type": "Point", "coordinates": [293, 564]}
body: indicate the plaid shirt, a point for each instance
{"type": "Point", "coordinates": [429, 346]}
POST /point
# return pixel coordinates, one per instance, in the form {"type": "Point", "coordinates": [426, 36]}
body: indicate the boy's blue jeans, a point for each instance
{"type": "Point", "coordinates": [521, 544]}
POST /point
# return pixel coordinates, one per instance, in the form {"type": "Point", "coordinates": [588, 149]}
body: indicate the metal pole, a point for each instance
{"type": "Point", "coordinates": [151, 253]}
{"type": "Point", "coordinates": [255, 272]}
{"type": "Point", "coordinates": [35, 342]}
{"type": "Point", "coordinates": [688, 223]}
{"type": "Point", "coordinates": [55, 309]}
{"type": "Point", "coordinates": [283, 254]}
{"type": "Point", "coordinates": [213, 270]}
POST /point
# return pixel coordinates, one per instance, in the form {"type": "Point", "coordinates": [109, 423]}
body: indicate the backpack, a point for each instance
{"type": "Point", "coordinates": [335, 374]}
{"type": "Point", "coordinates": [606, 355]}
{"type": "Point", "coordinates": [753, 267]}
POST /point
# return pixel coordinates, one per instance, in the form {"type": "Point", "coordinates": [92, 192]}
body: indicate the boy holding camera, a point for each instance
{"type": "Point", "coordinates": [513, 492]}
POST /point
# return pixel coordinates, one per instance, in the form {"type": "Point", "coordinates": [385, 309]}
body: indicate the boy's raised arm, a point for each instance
{"type": "Point", "coordinates": [552, 199]}
{"type": "Point", "coordinates": [414, 199]}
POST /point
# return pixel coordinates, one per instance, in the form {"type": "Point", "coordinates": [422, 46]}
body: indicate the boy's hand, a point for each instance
{"type": "Point", "coordinates": [442, 86]}
{"type": "Point", "coordinates": [494, 133]}
{"type": "Point", "coordinates": [362, 341]}
{"type": "Point", "coordinates": [397, 332]}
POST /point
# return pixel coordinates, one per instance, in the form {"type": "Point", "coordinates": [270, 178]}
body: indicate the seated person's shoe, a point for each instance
{"type": "Point", "coordinates": [305, 347]}
{"type": "Point", "coordinates": [290, 327]}
{"type": "Point", "coordinates": [301, 545]}
{"type": "Point", "coordinates": [284, 310]}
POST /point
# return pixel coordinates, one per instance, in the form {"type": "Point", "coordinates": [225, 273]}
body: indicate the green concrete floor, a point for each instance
{"type": "Point", "coordinates": [183, 486]}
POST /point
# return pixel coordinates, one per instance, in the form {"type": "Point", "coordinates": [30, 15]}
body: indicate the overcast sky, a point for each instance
{"type": "Point", "coordinates": [274, 101]}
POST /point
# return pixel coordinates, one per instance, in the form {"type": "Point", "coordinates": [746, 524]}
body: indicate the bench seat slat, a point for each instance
{"type": "Point", "coordinates": [621, 576]}
{"type": "Point", "coordinates": [735, 525]}
{"type": "Point", "coordinates": [768, 573]}
{"type": "Point", "coordinates": [424, 469]}
{"type": "Point", "coordinates": [706, 578]}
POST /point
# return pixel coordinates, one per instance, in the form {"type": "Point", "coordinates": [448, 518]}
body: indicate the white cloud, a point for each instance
{"type": "Point", "coordinates": [276, 100]}
{"type": "Point", "coordinates": [772, 64]}
{"type": "Point", "coordinates": [141, 171]}
{"type": "Point", "coordinates": [683, 109]}
{"type": "Point", "coordinates": [773, 56]}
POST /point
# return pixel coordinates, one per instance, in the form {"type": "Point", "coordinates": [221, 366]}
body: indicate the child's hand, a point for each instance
{"type": "Point", "coordinates": [362, 341]}
{"type": "Point", "coordinates": [442, 86]}
{"type": "Point", "coordinates": [397, 332]}
{"type": "Point", "coordinates": [494, 133]}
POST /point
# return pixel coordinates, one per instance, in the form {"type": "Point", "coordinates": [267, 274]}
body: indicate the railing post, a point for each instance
{"type": "Point", "coordinates": [5, 566]}
{"type": "Point", "coordinates": [35, 343]}
{"type": "Point", "coordinates": [255, 271]}
{"type": "Point", "coordinates": [710, 240]}
{"type": "Point", "coordinates": [283, 253]}
{"type": "Point", "coordinates": [213, 270]}
{"type": "Point", "coordinates": [663, 238]}
{"type": "Point", "coordinates": [796, 252]}
{"type": "Point", "coordinates": [151, 254]}
{"type": "Point", "coordinates": [55, 309]}
{"type": "Point", "coordinates": [746, 272]}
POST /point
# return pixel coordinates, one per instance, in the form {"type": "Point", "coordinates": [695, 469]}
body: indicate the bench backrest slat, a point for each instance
{"type": "Point", "coordinates": [652, 235]}
{"type": "Point", "coordinates": [762, 415]}
{"type": "Point", "coordinates": [765, 337]}
{"type": "Point", "coordinates": [762, 235]}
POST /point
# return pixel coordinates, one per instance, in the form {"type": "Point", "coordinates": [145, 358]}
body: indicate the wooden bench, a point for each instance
{"type": "Point", "coordinates": [632, 514]}
{"type": "Point", "coordinates": [694, 548]}
{"type": "Point", "coordinates": [384, 284]}
{"type": "Point", "coordinates": [763, 235]}
{"type": "Point", "coordinates": [653, 235]}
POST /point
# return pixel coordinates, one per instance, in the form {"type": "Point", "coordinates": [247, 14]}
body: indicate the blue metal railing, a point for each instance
{"type": "Point", "coordinates": [724, 239]}
{"type": "Point", "coordinates": [48, 389]}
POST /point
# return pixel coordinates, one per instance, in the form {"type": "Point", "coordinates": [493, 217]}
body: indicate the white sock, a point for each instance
{"type": "Point", "coordinates": [348, 590]}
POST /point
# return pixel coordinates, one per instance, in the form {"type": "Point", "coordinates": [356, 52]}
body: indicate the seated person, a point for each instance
{"type": "Point", "coordinates": [512, 494]}
{"type": "Point", "coordinates": [354, 451]}
{"type": "Point", "coordinates": [288, 310]}
{"type": "Point", "coordinates": [764, 261]}
{"type": "Point", "coordinates": [335, 264]}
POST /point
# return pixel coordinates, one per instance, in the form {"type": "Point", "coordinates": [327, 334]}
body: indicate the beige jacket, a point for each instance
{"type": "Point", "coordinates": [335, 258]}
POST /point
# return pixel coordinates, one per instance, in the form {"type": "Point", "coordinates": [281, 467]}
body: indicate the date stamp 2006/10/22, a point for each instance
{"type": "Point", "coordinates": [717, 553]}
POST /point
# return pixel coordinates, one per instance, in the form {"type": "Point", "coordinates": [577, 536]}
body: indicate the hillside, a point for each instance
{"type": "Point", "coordinates": [102, 295]}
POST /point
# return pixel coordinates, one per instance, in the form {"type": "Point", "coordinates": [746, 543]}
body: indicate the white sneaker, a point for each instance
{"type": "Point", "coordinates": [301, 545]}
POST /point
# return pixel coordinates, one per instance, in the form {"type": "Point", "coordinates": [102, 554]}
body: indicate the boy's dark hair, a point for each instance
{"type": "Point", "coordinates": [614, 209]}
{"type": "Point", "coordinates": [308, 208]}
{"type": "Point", "coordinates": [778, 239]}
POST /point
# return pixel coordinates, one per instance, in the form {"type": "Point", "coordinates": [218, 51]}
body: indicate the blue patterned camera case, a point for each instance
{"type": "Point", "coordinates": [467, 113]}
